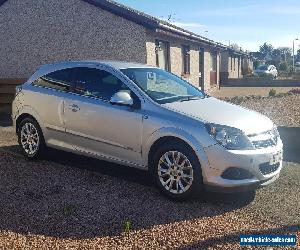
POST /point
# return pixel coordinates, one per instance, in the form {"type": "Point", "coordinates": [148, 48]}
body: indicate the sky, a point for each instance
{"type": "Point", "coordinates": [248, 23]}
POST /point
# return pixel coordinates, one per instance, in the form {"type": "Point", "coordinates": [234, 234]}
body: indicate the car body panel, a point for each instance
{"type": "Point", "coordinates": [271, 70]}
{"type": "Point", "coordinates": [126, 135]}
{"type": "Point", "coordinates": [223, 113]}
{"type": "Point", "coordinates": [97, 126]}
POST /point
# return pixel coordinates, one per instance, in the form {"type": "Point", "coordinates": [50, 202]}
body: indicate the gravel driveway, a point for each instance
{"type": "Point", "coordinates": [72, 202]}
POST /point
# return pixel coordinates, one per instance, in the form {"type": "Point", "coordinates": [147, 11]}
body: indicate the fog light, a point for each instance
{"type": "Point", "coordinates": [234, 173]}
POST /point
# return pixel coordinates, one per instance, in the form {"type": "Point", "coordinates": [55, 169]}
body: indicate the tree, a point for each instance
{"type": "Point", "coordinates": [286, 53]}
{"type": "Point", "coordinates": [298, 55]}
{"type": "Point", "coordinates": [256, 64]}
{"type": "Point", "coordinates": [283, 66]}
{"type": "Point", "coordinates": [235, 46]}
{"type": "Point", "coordinates": [276, 55]}
{"type": "Point", "coordinates": [266, 50]}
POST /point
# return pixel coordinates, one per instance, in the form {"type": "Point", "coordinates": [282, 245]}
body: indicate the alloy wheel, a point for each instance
{"type": "Point", "coordinates": [30, 139]}
{"type": "Point", "coordinates": [175, 172]}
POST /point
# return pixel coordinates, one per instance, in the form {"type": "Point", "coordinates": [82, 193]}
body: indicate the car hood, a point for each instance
{"type": "Point", "coordinates": [216, 111]}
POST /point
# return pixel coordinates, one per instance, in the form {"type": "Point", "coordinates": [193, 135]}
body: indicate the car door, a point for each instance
{"type": "Point", "coordinates": [97, 127]}
{"type": "Point", "coordinates": [48, 92]}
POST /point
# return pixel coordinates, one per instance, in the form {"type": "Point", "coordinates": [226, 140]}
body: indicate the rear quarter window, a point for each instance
{"type": "Point", "coordinates": [47, 83]}
{"type": "Point", "coordinates": [58, 80]}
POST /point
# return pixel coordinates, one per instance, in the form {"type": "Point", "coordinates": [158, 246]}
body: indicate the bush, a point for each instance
{"type": "Point", "coordinates": [283, 66]}
{"type": "Point", "coordinates": [295, 91]}
{"type": "Point", "coordinates": [272, 92]}
{"type": "Point", "coordinates": [296, 76]}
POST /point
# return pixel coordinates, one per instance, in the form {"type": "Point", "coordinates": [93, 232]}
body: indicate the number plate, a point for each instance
{"type": "Point", "coordinates": [276, 158]}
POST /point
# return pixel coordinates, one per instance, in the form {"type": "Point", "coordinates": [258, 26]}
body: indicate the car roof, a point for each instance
{"type": "Point", "coordinates": [48, 68]}
{"type": "Point", "coordinates": [114, 64]}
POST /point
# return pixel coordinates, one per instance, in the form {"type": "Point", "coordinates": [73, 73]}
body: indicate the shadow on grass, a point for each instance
{"type": "Point", "coordinates": [83, 197]}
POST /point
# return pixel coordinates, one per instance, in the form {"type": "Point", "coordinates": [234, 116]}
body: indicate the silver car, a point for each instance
{"type": "Point", "coordinates": [145, 117]}
{"type": "Point", "coordinates": [266, 70]}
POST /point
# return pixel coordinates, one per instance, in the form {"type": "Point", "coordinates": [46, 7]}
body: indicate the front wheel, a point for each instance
{"type": "Point", "coordinates": [31, 138]}
{"type": "Point", "coordinates": [177, 171]}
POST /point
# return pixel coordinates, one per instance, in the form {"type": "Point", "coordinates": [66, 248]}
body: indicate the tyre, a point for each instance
{"type": "Point", "coordinates": [177, 171]}
{"type": "Point", "coordinates": [30, 138]}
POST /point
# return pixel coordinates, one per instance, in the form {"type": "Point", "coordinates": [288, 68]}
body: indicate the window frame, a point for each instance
{"type": "Point", "coordinates": [234, 63]}
{"type": "Point", "coordinates": [166, 54]}
{"type": "Point", "coordinates": [213, 61]}
{"type": "Point", "coordinates": [43, 77]}
{"type": "Point", "coordinates": [73, 85]}
{"type": "Point", "coordinates": [121, 77]}
{"type": "Point", "coordinates": [186, 60]}
{"type": "Point", "coordinates": [176, 76]}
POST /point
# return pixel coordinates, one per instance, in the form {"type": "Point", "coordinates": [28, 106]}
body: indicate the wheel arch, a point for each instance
{"type": "Point", "coordinates": [23, 116]}
{"type": "Point", "coordinates": [166, 135]}
{"type": "Point", "coordinates": [163, 140]}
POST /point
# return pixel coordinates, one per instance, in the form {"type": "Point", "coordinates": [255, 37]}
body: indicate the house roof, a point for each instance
{"type": "Point", "coordinates": [149, 21]}
{"type": "Point", "coordinates": [152, 23]}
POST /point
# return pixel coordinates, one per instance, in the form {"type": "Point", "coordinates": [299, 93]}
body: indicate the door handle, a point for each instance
{"type": "Point", "coordinates": [74, 107]}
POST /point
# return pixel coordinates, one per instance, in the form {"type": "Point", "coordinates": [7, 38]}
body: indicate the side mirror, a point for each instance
{"type": "Point", "coordinates": [122, 98]}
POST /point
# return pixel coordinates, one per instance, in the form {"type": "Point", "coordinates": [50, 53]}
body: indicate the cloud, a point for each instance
{"type": "Point", "coordinates": [250, 10]}
{"type": "Point", "coordinates": [189, 25]}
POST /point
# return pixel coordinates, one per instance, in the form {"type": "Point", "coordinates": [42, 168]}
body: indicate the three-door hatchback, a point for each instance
{"type": "Point", "coordinates": [145, 117]}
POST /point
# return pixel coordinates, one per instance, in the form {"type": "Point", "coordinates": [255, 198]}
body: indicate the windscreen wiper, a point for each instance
{"type": "Point", "coordinates": [189, 98]}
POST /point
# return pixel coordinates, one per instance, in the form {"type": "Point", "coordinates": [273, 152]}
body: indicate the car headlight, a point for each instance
{"type": "Point", "coordinates": [228, 137]}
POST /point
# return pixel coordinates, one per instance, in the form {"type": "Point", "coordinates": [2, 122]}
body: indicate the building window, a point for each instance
{"type": "Point", "coordinates": [213, 61]}
{"type": "Point", "coordinates": [162, 51]}
{"type": "Point", "coordinates": [234, 63]}
{"type": "Point", "coordinates": [185, 59]}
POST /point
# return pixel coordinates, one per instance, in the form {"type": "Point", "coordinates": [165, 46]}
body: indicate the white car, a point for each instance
{"type": "Point", "coordinates": [266, 70]}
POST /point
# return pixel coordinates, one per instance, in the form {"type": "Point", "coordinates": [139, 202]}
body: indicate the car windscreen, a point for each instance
{"type": "Point", "coordinates": [162, 86]}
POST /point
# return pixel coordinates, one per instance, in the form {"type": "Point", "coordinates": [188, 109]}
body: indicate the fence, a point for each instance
{"type": "Point", "coordinates": [260, 82]}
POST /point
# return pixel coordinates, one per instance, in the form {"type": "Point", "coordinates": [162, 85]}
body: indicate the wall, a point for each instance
{"type": "Point", "coordinates": [247, 64]}
{"type": "Point", "coordinates": [176, 57]}
{"type": "Point", "coordinates": [38, 32]}
{"type": "Point", "coordinates": [226, 70]}
{"type": "Point", "coordinates": [206, 68]}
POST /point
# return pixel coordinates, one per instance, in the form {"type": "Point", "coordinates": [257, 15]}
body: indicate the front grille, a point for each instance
{"type": "Point", "coordinates": [266, 139]}
{"type": "Point", "coordinates": [265, 143]}
{"type": "Point", "coordinates": [266, 168]}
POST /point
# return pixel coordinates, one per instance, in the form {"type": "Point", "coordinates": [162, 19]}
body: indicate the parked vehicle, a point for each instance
{"type": "Point", "coordinates": [145, 117]}
{"type": "Point", "coordinates": [266, 70]}
{"type": "Point", "coordinates": [297, 67]}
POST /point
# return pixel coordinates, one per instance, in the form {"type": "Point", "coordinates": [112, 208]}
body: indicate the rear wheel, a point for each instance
{"type": "Point", "coordinates": [177, 171]}
{"type": "Point", "coordinates": [31, 138]}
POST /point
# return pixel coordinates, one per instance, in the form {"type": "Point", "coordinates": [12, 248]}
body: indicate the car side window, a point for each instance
{"type": "Point", "coordinates": [59, 80]}
{"type": "Point", "coordinates": [97, 83]}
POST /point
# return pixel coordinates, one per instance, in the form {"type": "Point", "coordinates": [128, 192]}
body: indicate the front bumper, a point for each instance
{"type": "Point", "coordinates": [221, 159]}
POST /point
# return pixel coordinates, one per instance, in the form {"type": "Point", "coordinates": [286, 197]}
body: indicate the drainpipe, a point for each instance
{"type": "Point", "coordinates": [202, 68]}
